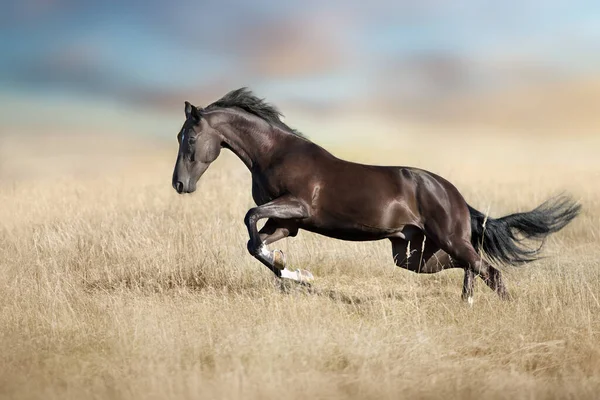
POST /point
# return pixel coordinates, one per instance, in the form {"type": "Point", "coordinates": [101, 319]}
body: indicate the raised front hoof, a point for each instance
{"type": "Point", "coordinates": [287, 285]}
{"type": "Point", "coordinates": [305, 276]}
{"type": "Point", "coordinates": [299, 275]}
{"type": "Point", "coordinates": [279, 259]}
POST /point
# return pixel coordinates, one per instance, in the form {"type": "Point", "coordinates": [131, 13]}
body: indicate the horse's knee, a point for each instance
{"type": "Point", "coordinates": [251, 216]}
{"type": "Point", "coordinates": [253, 248]}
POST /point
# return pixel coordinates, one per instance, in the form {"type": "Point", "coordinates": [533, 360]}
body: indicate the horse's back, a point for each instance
{"type": "Point", "coordinates": [364, 202]}
{"type": "Point", "coordinates": [373, 201]}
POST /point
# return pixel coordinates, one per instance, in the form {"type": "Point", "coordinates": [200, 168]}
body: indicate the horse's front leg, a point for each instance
{"type": "Point", "coordinates": [280, 212]}
{"type": "Point", "coordinates": [273, 231]}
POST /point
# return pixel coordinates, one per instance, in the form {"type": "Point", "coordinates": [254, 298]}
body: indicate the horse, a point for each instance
{"type": "Point", "coordinates": [297, 184]}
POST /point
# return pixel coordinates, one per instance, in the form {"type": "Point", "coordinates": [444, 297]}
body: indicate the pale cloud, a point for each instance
{"type": "Point", "coordinates": [339, 52]}
{"type": "Point", "coordinates": [294, 47]}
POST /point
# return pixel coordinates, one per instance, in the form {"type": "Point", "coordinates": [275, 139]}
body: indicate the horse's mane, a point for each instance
{"type": "Point", "coordinates": [246, 100]}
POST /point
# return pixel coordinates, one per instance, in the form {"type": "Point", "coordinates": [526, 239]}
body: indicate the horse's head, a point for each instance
{"type": "Point", "coordinates": [199, 145]}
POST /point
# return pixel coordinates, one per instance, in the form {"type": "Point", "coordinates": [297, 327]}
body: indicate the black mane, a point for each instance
{"type": "Point", "coordinates": [246, 100]}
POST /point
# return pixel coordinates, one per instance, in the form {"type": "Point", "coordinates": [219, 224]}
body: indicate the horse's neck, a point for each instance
{"type": "Point", "coordinates": [251, 142]}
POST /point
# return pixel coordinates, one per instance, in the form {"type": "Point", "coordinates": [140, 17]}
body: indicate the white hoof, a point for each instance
{"type": "Point", "coordinates": [470, 301]}
{"type": "Point", "coordinates": [305, 276]}
{"type": "Point", "coordinates": [299, 275]}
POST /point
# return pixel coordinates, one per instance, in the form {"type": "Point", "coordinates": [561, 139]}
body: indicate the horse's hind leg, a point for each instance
{"type": "Point", "coordinates": [494, 279]}
{"type": "Point", "coordinates": [468, 283]}
{"type": "Point", "coordinates": [465, 256]}
{"type": "Point", "coordinates": [422, 255]}
{"type": "Point", "coordinates": [415, 254]}
{"type": "Point", "coordinates": [496, 283]}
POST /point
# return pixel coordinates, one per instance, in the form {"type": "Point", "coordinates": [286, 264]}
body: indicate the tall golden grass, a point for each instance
{"type": "Point", "coordinates": [114, 287]}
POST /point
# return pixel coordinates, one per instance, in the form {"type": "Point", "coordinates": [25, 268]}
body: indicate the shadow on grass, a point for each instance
{"type": "Point", "coordinates": [291, 287]}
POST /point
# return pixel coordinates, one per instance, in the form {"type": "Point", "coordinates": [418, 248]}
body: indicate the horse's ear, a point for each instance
{"type": "Point", "coordinates": [191, 111]}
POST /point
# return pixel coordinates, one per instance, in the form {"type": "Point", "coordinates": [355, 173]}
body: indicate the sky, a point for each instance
{"type": "Point", "coordinates": [312, 54]}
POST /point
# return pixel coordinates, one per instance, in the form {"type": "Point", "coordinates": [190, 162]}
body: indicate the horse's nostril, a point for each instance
{"type": "Point", "coordinates": [179, 187]}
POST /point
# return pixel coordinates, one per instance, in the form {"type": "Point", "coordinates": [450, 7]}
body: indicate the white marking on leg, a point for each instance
{"type": "Point", "coordinates": [297, 275]}
{"type": "Point", "coordinates": [470, 300]}
{"type": "Point", "coordinates": [286, 273]}
{"type": "Point", "coordinates": [305, 276]}
{"type": "Point", "coordinates": [264, 251]}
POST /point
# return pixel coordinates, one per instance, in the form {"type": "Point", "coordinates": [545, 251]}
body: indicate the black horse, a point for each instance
{"type": "Point", "coordinates": [296, 184]}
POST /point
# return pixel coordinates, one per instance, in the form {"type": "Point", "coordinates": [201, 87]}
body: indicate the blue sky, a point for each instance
{"type": "Point", "coordinates": [312, 52]}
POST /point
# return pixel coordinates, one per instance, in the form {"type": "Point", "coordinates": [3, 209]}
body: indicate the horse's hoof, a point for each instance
{"type": "Point", "coordinates": [468, 300]}
{"type": "Point", "coordinates": [300, 275]}
{"type": "Point", "coordinates": [305, 276]}
{"type": "Point", "coordinates": [279, 260]}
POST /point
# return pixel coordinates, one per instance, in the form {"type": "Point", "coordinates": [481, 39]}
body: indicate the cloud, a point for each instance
{"type": "Point", "coordinates": [172, 100]}
{"type": "Point", "coordinates": [290, 47]}
{"type": "Point", "coordinates": [404, 53]}
{"type": "Point", "coordinates": [32, 12]}
{"type": "Point", "coordinates": [419, 84]}
{"type": "Point", "coordinates": [77, 66]}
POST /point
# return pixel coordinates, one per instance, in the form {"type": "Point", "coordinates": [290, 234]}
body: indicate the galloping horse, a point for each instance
{"type": "Point", "coordinates": [296, 184]}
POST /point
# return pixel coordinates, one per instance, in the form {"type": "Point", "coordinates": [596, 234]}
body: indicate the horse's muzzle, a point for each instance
{"type": "Point", "coordinates": [183, 188]}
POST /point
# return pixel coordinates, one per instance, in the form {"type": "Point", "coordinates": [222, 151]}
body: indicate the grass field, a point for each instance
{"type": "Point", "coordinates": [114, 287]}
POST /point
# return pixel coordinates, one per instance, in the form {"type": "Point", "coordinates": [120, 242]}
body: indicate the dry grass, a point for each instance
{"type": "Point", "coordinates": [112, 286]}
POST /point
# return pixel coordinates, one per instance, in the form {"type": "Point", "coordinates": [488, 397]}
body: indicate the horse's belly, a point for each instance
{"type": "Point", "coordinates": [348, 233]}
{"type": "Point", "coordinates": [349, 228]}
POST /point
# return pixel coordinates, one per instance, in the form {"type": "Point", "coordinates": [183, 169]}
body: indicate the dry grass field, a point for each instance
{"type": "Point", "coordinates": [114, 287]}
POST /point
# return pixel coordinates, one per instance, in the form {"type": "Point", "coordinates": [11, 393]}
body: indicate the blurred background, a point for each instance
{"type": "Point", "coordinates": [345, 74]}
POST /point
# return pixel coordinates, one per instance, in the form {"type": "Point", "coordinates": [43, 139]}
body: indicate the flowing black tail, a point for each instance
{"type": "Point", "coordinates": [502, 239]}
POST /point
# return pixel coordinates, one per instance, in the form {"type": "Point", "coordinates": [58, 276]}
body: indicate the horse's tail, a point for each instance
{"type": "Point", "coordinates": [502, 239]}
